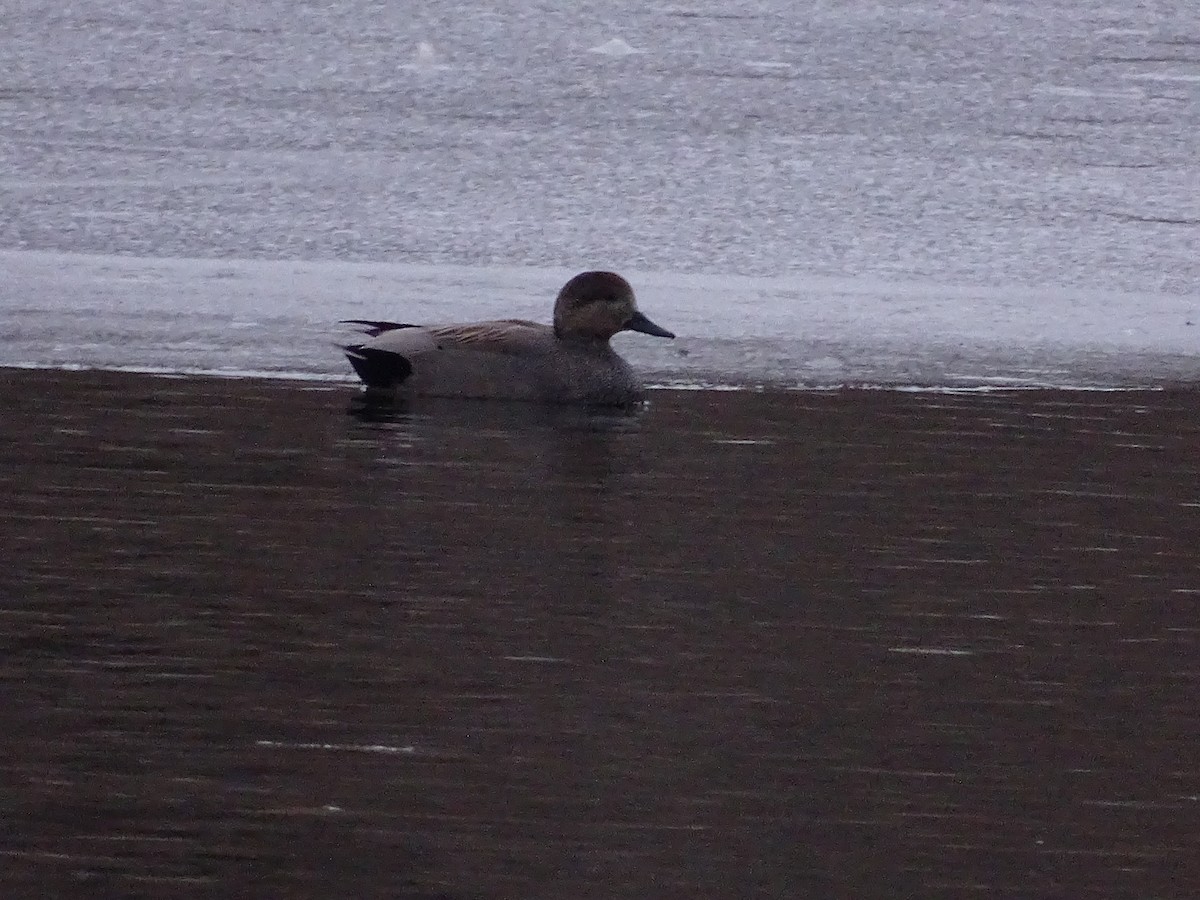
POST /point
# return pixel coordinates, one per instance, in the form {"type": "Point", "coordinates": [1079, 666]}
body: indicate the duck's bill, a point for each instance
{"type": "Point", "coordinates": [645, 326]}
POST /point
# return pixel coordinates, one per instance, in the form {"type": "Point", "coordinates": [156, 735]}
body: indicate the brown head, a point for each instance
{"type": "Point", "coordinates": [596, 305]}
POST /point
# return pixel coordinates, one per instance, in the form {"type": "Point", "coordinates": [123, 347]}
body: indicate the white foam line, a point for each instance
{"type": "Point", "coordinates": [352, 748]}
{"type": "Point", "coordinates": [188, 372]}
{"type": "Point", "coordinates": [533, 659]}
{"type": "Point", "coordinates": [754, 386]}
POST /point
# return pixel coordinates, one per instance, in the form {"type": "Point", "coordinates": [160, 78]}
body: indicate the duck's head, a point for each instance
{"type": "Point", "coordinates": [596, 305]}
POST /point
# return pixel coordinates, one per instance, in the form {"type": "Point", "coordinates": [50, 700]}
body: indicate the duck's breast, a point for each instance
{"type": "Point", "coordinates": [595, 375]}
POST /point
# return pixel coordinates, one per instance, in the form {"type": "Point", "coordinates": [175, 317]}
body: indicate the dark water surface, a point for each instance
{"type": "Point", "coordinates": [854, 644]}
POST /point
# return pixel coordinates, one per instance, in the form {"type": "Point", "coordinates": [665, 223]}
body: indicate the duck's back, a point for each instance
{"type": "Point", "coordinates": [509, 359]}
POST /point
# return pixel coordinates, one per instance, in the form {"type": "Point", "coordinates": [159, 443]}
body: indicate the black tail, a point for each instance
{"type": "Point", "coordinates": [378, 368]}
{"type": "Point", "coordinates": [374, 327]}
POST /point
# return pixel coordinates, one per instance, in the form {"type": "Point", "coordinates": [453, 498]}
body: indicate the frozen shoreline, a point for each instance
{"type": "Point", "coordinates": [279, 319]}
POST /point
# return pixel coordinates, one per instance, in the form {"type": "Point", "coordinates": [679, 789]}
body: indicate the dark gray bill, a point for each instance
{"type": "Point", "coordinates": [645, 326]}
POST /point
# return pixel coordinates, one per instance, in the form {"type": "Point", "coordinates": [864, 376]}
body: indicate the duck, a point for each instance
{"type": "Point", "coordinates": [568, 362]}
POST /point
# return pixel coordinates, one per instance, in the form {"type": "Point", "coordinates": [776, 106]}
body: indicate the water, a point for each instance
{"type": "Point", "coordinates": [777, 644]}
{"type": "Point", "coordinates": [860, 643]}
{"type": "Point", "coordinates": [930, 192]}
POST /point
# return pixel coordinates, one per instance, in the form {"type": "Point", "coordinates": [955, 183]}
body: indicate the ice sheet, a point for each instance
{"type": "Point", "coordinates": [280, 317]}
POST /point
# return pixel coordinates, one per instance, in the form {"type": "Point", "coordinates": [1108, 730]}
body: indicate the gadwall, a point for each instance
{"type": "Point", "coordinates": [511, 359]}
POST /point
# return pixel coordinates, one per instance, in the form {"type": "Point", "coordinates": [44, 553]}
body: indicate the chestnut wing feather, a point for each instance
{"type": "Point", "coordinates": [508, 336]}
